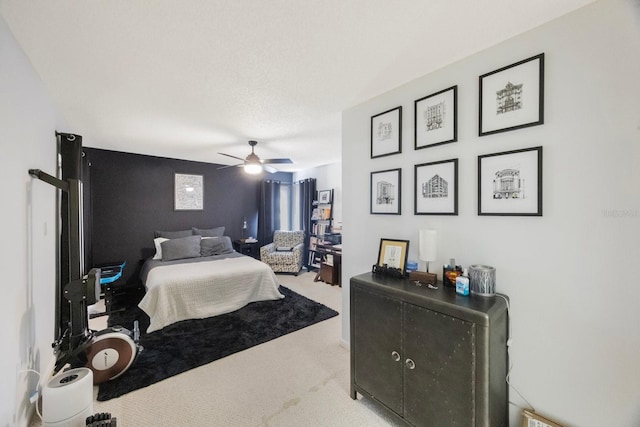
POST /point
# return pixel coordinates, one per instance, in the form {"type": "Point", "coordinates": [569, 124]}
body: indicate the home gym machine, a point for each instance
{"type": "Point", "coordinates": [110, 352]}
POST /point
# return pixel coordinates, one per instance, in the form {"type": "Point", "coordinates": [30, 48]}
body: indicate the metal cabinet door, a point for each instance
{"type": "Point", "coordinates": [377, 347]}
{"type": "Point", "coordinates": [439, 380]}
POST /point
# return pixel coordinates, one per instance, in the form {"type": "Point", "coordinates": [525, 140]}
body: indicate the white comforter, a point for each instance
{"type": "Point", "coordinates": [203, 289]}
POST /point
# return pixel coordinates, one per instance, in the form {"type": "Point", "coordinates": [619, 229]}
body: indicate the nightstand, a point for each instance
{"type": "Point", "coordinates": [251, 249]}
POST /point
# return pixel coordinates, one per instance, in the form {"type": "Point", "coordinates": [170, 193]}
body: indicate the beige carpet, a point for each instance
{"type": "Point", "coordinates": [300, 379]}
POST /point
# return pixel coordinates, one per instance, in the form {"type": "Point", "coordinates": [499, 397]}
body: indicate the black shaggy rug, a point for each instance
{"type": "Point", "coordinates": [191, 343]}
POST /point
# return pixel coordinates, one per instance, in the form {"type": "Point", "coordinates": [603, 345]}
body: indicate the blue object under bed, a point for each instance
{"type": "Point", "coordinates": [111, 273]}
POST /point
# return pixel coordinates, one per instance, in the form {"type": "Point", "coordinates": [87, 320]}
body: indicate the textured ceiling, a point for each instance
{"type": "Point", "coordinates": [187, 79]}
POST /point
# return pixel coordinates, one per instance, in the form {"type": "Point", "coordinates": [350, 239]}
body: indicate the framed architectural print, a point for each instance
{"type": "Point", "coordinates": [385, 192]}
{"type": "Point", "coordinates": [393, 254]}
{"type": "Point", "coordinates": [386, 133]}
{"type": "Point", "coordinates": [436, 188]}
{"type": "Point", "coordinates": [510, 183]}
{"type": "Point", "coordinates": [324, 196]}
{"type": "Point", "coordinates": [436, 118]}
{"type": "Point", "coordinates": [188, 192]}
{"type": "Point", "coordinates": [512, 97]}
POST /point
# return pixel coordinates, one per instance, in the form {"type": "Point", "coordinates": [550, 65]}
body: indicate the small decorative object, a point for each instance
{"type": "Point", "coordinates": [512, 97]}
{"type": "Point", "coordinates": [510, 183]}
{"type": "Point", "coordinates": [436, 188]}
{"type": "Point", "coordinates": [450, 273]}
{"type": "Point", "coordinates": [188, 192]}
{"type": "Point", "coordinates": [386, 133]}
{"type": "Point", "coordinates": [392, 256]}
{"type": "Point", "coordinates": [482, 280]}
{"type": "Point", "coordinates": [423, 277]}
{"type": "Point", "coordinates": [412, 266]}
{"type": "Point", "coordinates": [385, 192]}
{"type": "Point", "coordinates": [435, 118]}
{"type": "Point", "coordinates": [387, 271]}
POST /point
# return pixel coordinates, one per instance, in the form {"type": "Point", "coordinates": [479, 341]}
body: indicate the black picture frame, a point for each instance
{"type": "Point", "coordinates": [386, 192]}
{"type": "Point", "coordinates": [436, 188]}
{"type": "Point", "coordinates": [393, 254]}
{"type": "Point", "coordinates": [386, 133]}
{"type": "Point", "coordinates": [436, 118]}
{"type": "Point", "coordinates": [512, 97]}
{"type": "Point", "coordinates": [510, 183]}
{"type": "Point", "coordinates": [324, 196]}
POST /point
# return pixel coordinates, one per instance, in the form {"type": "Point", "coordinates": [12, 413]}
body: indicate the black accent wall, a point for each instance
{"type": "Point", "coordinates": [131, 196]}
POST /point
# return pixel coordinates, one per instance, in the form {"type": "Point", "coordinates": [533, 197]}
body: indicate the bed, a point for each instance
{"type": "Point", "coordinates": [197, 286]}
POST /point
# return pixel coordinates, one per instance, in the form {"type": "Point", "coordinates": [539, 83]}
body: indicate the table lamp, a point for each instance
{"type": "Point", "coordinates": [428, 246]}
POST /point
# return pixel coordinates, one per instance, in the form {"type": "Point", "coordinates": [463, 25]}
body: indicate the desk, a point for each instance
{"type": "Point", "coordinates": [330, 264]}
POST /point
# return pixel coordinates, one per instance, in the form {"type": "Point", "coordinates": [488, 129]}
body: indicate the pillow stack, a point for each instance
{"type": "Point", "coordinates": [197, 242]}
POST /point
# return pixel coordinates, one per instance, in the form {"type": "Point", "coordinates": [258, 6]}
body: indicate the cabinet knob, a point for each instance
{"type": "Point", "coordinates": [396, 356]}
{"type": "Point", "coordinates": [410, 364]}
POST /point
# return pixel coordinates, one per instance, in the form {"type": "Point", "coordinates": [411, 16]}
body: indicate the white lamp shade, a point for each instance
{"type": "Point", "coordinates": [253, 168]}
{"type": "Point", "coordinates": [428, 245]}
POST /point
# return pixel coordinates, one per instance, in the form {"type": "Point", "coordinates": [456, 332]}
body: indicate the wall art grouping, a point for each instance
{"type": "Point", "coordinates": [509, 182]}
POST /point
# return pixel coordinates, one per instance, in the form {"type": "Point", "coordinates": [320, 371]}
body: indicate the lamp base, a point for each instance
{"type": "Point", "coordinates": [424, 277]}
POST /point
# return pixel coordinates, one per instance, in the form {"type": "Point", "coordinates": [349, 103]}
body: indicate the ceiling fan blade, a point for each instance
{"type": "Point", "coordinates": [229, 166]}
{"type": "Point", "coordinates": [229, 155]}
{"type": "Point", "coordinates": [276, 161]}
{"type": "Point", "coordinates": [269, 169]}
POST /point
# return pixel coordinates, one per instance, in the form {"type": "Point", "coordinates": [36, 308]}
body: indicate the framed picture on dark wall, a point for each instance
{"type": "Point", "coordinates": [386, 133]}
{"type": "Point", "coordinates": [436, 118]}
{"type": "Point", "coordinates": [188, 192]}
{"type": "Point", "coordinates": [512, 97]}
{"type": "Point", "coordinates": [385, 192]}
{"type": "Point", "coordinates": [510, 183]}
{"type": "Point", "coordinates": [436, 188]}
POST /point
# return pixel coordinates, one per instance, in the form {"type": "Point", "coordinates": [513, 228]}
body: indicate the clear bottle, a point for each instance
{"type": "Point", "coordinates": [462, 283]}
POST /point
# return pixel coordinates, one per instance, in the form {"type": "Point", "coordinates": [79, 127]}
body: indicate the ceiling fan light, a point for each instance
{"type": "Point", "coordinates": [253, 168]}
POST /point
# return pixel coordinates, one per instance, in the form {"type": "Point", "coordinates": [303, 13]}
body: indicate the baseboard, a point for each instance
{"type": "Point", "coordinates": [345, 344]}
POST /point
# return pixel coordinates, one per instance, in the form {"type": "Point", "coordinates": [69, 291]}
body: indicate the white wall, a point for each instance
{"type": "Point", "coordinates": [571, 273]}
{"type": "Point", "coordinates": [327, 177]}
{"type": "Point", "coordinates": [28, 121]}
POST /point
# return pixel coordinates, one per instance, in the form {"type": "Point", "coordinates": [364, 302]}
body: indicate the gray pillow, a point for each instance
{"type": "Point", "coordinates": [215, 246]}
{"type": "Point", "coordinates": [184, 247]}
{"type": "Point", "coordinates": [174, 234]}
{"type": "Point", "coordinates": [209, 232]}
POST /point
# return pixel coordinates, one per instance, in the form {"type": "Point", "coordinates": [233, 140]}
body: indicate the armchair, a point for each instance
{"type": "Point", "coordinates": [290, 256]}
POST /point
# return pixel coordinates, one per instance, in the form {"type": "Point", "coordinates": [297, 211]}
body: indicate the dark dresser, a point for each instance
{"type": "Point", "coordinates": [429, 357]}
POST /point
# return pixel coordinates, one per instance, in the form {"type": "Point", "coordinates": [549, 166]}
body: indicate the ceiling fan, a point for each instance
{"type": "Point", "coordinates": [253, 164]}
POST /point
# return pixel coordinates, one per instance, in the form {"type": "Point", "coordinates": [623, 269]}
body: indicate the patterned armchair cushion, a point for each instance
{"type": "Point", "coordinates": [284, 261]}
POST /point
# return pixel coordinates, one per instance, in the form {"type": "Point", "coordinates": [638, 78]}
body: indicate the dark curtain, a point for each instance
{"type": "Point", "coordinates": [269, 211]}
{"type": "Point", "coordinates": [307, 192]}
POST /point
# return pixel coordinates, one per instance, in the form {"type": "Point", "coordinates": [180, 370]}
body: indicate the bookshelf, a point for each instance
{"type": "Point", "coordinates": [322, 232]}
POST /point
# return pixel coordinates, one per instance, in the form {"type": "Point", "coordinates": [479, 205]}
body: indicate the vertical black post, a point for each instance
{"type": "Point", "coordinates": [70, 250]}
